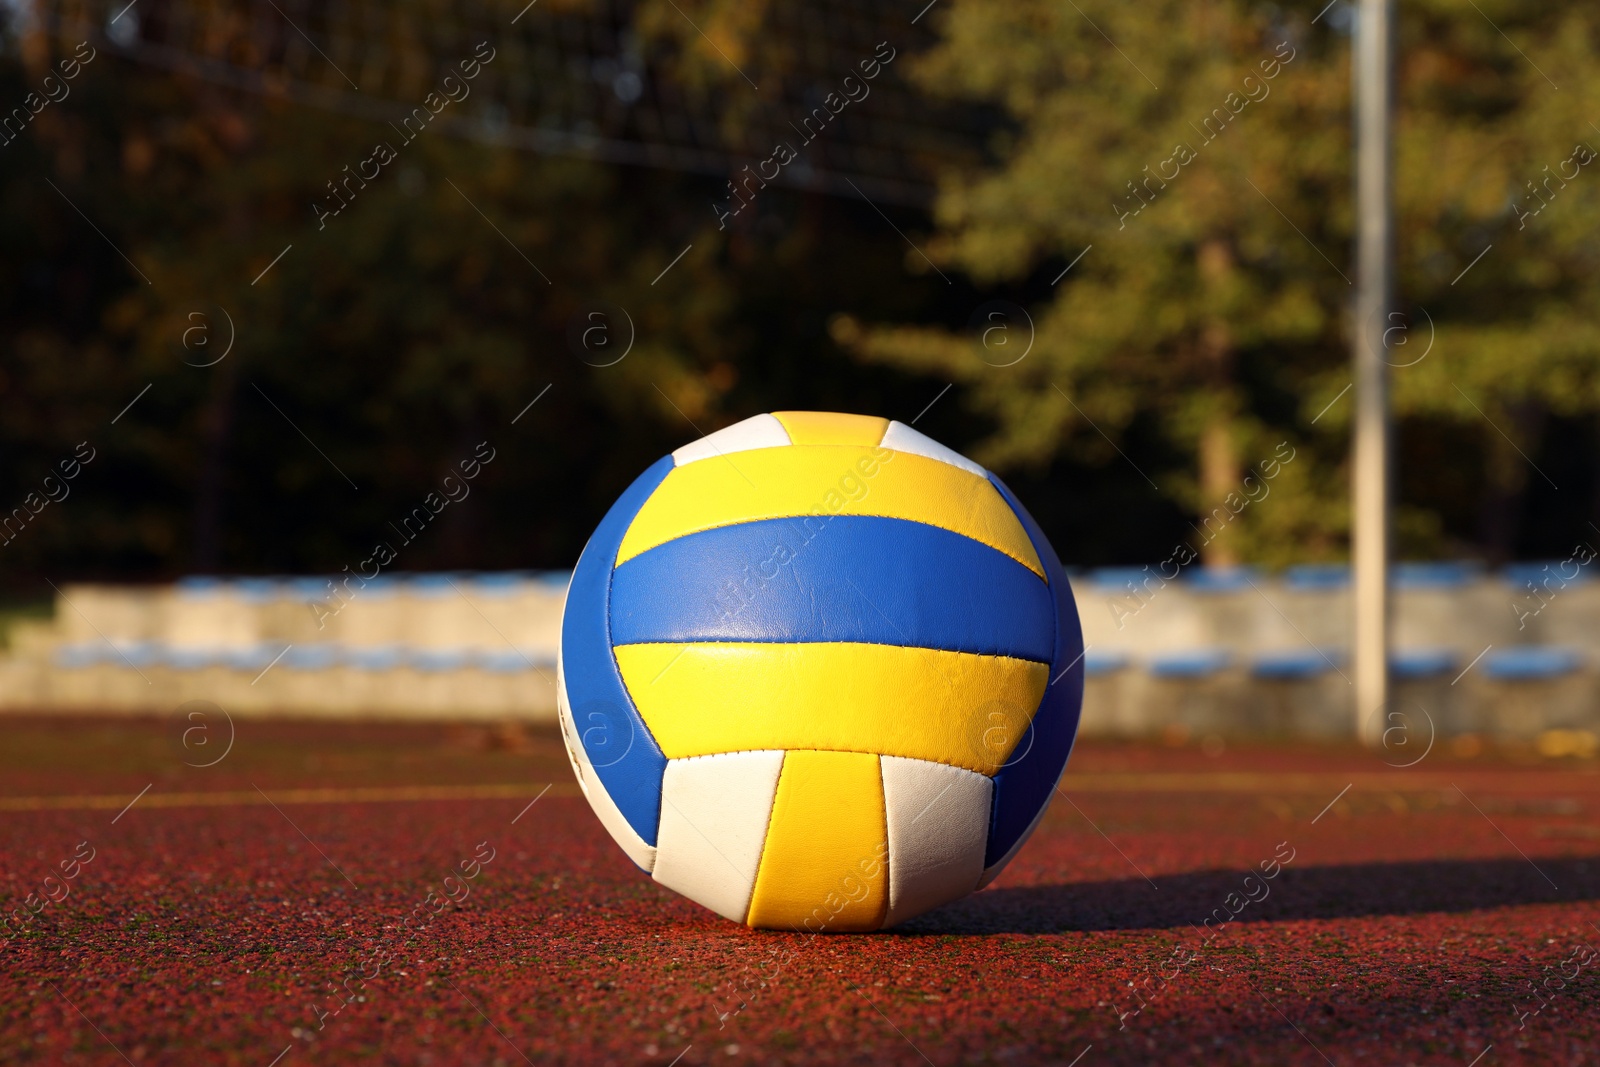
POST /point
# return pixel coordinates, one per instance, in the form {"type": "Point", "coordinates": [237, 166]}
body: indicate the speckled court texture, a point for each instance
{"type": "Point", "coordinates": [1445, 913]}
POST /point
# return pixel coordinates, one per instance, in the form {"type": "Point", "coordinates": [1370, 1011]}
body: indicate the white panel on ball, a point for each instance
{"type": "Point", "coordinates": [938, 819]}
{"type": "Point", "coordinates": [903, 438]}
{"type": "Point", "coordinates": [758, 431]}
{"type": "Point", "coordinates": [643, 855]}
{"type": "Point", "coordinates": [714, 816]}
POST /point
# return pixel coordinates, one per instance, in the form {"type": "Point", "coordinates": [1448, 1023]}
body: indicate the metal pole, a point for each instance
{"type": "Point", "coordinates": [1374, 99]}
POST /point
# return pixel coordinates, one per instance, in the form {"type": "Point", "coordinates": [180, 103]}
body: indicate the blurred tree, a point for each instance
{"type": "Point", "coordinates": [142, 212]}
{"type": "Point", "coordinates": [1197, 159]}
{"type": "Point", "coordinates": [144, 220]}
{"type": "Point", "coordinates": [371, 357]}
{"type": "Point", "coordinates": [1491, 162]}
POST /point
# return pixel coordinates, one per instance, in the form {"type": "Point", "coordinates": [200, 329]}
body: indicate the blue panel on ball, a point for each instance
{"type": "Point", "coordinates": [626, 758]}
{"type": "Point", "coordinates": [1023, 786]}
{"type": "Point", "coordinates": [846, 578]}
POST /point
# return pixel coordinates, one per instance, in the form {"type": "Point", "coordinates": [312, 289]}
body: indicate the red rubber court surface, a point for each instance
{"type": "Point", "coordinates": [1442, 914]}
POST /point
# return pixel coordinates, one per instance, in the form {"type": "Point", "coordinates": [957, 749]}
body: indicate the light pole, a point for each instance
{"type": "Point", "coordinates": [1374, 109]}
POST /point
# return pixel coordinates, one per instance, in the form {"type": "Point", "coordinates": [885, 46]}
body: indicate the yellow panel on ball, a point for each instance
{"type": "Point", "coordinates": [826, 480]}
{"type": "Point", "coordinates": [960, 708]}
{"type": "Point", "coordinates": [825, 864]}
{"type": "Point", "coordinates": [831, 428]}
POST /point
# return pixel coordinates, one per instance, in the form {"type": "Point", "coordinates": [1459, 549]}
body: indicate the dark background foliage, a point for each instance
{"type": "Point", "coordinates": [423, 319]}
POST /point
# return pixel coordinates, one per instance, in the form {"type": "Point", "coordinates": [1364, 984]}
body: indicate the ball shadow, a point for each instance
{"type": "Point", "coordinates": [1325, 892]}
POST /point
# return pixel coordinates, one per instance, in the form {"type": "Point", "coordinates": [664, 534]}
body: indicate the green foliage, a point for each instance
{"type": "Point", "coordinates": [1214, 295]}
{"type": "Point", "coordinates": [1205, 323]}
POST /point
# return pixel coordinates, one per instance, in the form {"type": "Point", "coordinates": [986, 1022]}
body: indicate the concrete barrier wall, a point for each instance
{"type": "Point", "coordinates": [1512, 655]}
{"type": "Point", "coordinates": [1224, 653]}
{"type": "Point", "coordinates": [479, 646]}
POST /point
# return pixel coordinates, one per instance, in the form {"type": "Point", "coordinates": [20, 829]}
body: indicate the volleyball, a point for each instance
{"type": "Point", "coordinates": [819, 672]}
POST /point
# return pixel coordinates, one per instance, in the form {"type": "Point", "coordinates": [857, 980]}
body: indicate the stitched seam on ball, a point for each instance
{"type": "Point", "coordinates": [885, 644]}
{"type": "Point", "coordinates": [857, 751]}
{"type": "Point", "coordinates": [766, 835]}
{"type": "Point", "coordinates": [611, 650]}
{"type": "Point", "coordinates": [807, 515]}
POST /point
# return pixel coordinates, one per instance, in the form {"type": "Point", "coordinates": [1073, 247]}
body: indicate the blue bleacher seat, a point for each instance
{"type": "Point", "coordinates": [190, 659]}
{"type": "Point", "coordinates": [1454, 574]}
{"type": "Point", "coordinates": [1097, 662]}
{"type": "Point", "coordinates": [434, 585]}
{"type": "Point", "coordinates": [1293, 664]}
{"type": "Point", "coordinates": [1317, 577]}
{"type": "Point", "coordinates": [376, 657]}
{"type": "Point", "coordinates": [312, 657]}
{"type": "Point", "coordinates": [1544, 575]}
{"type": "Point", "coordinates": [381, 586]}
{"type": "Point", "coordinates": [199, 585]}
{"type": "Point", "coordinates": [1526, 663]}
{"type": "Point", "coordinates": [1221, 579]}
{"type": "Point", "coordinates": [511, 661]}
{"type": "Point", "coordinates": [498, 583]}
{"type": "Point", "coordinates": [308, 588]}
{"type": "Point", "coordinates": [258, 590]}
{"type": "Point", "coordinates": [1189, 663]}
{"type": "Point", "coordinates": [1118, 579]}
{"type": "Point", "coordinates": [251, 657]}
{"type": "Point", "coordinates": [438, 659]}
{"type": "Point", "coordinates": [1411, 663]}
{"type": "Point", "coordinates": [140, 654]}
{"type": "Point", "coordinates": [87, 654]}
